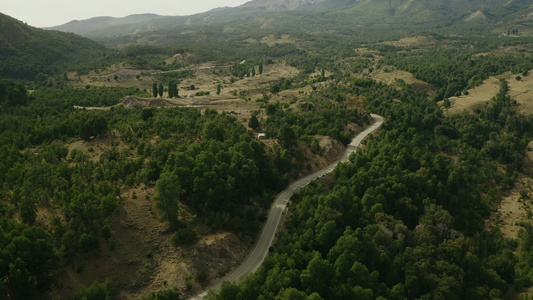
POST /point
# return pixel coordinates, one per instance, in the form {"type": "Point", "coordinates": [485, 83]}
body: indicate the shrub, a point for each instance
{"type": "Point", "coordinates": [184, 236]}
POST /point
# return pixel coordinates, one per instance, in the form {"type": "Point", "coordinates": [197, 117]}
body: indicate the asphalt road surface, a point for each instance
{"type": "Point", "coordinates": [256, 257]}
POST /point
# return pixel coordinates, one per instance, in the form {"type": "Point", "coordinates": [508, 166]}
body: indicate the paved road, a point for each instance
{"type": "Point", "coordinates": [256, 257]}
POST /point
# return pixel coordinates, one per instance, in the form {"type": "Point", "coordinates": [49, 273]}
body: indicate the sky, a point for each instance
{"type": "Point", "coordinates": [48, 13]}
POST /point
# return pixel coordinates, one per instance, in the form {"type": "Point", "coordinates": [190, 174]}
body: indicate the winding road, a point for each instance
{"type": "Point", "coordinates": [256, 257]}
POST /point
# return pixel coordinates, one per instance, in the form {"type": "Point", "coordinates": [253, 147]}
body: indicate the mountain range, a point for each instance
{"type": "Point", "coordinates": [427, 14]}
{"type": "Point", "coordinates": [26, 51]}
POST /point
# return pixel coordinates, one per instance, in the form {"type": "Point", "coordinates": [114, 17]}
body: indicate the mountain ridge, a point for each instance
{"type": "Point", "coordinates": [26, 51]}
{"type": "Point", "coordinates": [424, 14]}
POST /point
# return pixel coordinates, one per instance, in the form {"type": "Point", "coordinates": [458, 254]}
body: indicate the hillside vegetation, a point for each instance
{"type": "Point", "coordinates": [332, 16]}
{"type": "Point", "coordinates": [146, 170]}
{"type": "Point", "coordinates": [26, 51]}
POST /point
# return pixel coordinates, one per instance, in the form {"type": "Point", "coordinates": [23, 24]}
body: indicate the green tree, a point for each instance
{"type": "Point", "coordinates": [168, 193]}
{"type": "Point", "coordinates": [172, 89]}
{"type": "Point", "coordinates": [260, 68]}
{"type": "Point", "coordinates": [147, 114]}
{"type": "Point", "coordinates": [447, 103]}
{"type": "Point", "coordinates": [97, 291]}
{"type": "Point", "coordinates": [27, 255]}
{"type": "Point", "coordinates": [287, 136]}
{"type": "Point", "coordinates": [218, 88]}
{"type": "Point", "coordinates": [161, 90]}
{"type": "Point", "coordinates": [254, 122]}
{"type": "Point", "coordinates": [154, 89]}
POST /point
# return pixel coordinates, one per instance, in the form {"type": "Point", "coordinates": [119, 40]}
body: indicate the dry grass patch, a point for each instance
{"type": "Point", "coordinates": [412, 41]}
{"type": "Point", "coordinates": [272, 40]}
{"type": "Point", "coordinates": [476, 96]}
{"type": "Point", "coordinates": [520, 90]}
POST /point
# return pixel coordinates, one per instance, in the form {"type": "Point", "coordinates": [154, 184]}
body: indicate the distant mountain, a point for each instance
{"type": "Point", "coordinates": [281, 5]}
{"type": "Point", "coordinates": [341, 16]}
{"type": "Point", "coordinates": [93, 26]}
{"type": "Point", "coordinates": [401, 8]}
{"type": "Point", "coordinates": [26, 51]}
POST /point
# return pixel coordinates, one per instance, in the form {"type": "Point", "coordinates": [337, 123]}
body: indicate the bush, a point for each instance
{"type": "Point", "coordinates": [184, 236]}
{"type": "Point", "coordinates": [97, 291]}
{"type": "Point", "coordinates": [87, 242]}
{"type": "Point", "coordinates": [203, 93]}
{"type": "Point", "coordinates": [164, 295]}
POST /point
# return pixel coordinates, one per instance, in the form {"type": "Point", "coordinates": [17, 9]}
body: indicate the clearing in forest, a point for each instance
{"type": "Point", "coordinates": [520, 89]}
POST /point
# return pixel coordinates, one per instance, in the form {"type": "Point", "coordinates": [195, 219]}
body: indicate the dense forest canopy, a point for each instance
{"type": "Point", "coordinates": [230, 109]}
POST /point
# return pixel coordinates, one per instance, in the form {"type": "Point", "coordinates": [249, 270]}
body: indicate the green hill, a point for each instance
{"type": "Point", "coordinates": [26, 51]}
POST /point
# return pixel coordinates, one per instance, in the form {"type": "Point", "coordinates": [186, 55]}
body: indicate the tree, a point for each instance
{"type": "Point", "coordinates": [161, 90]}
{"type": "Point", "coordinates": [172, 89]}
{"type": "Point", "coordinates": [147, 114]}
{"type": "Point", "coordinates": [96, 291]}
{"type": "Point", "coordinates": [253, 71]}
{"type": "Point", "coordinates": [27, 256]}
{"type": "Point", "coordinates": [168, 193]}
{"type": "Point", "coordinates": [260, 68]}
{"type": "Point", "coordinates": [86, 131]}
{"type": "Point", "coordinates": [447, 103]}
{"type": "Point", "coordinates": [154, 89]}
{"type": "Point", "coordinates": [218, 89]}
{"type": "Point", "coordinates": [254, 122]}
{"type": "Point", "coordinates": [287, 136]}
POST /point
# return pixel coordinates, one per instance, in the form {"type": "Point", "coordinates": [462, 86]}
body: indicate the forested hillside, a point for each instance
{"type": "Point", "coordinates": [26, 51]}
{"type": "Point", "coordinates": [146, 169]}
{"type": "Point", "coordinates": [405, 217]}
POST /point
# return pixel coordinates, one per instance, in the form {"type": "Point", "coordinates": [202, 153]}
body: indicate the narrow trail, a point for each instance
{"type": "Point", "coordinates": [258, 254]}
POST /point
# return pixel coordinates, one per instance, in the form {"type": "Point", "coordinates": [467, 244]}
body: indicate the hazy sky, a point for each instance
{"type": "Point", "coordinates": [47, 13]}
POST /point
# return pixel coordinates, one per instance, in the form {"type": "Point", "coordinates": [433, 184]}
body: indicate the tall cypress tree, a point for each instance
{"type": "Point", "coordinates": [154, 89]}
{"type": "Point", "coordinates": [161, 90]}
{"type": "Point", "coordinates": [170, 89]}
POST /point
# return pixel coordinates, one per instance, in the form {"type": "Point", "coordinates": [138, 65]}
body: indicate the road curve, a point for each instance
{"type": "Point", "coordinates": [258, 254]}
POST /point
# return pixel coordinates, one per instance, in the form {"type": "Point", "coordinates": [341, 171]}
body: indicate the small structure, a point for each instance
{"type": "Point", "coordinates": [190, 96]}
{"type": "Point", "coordinates": [262, 136]}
